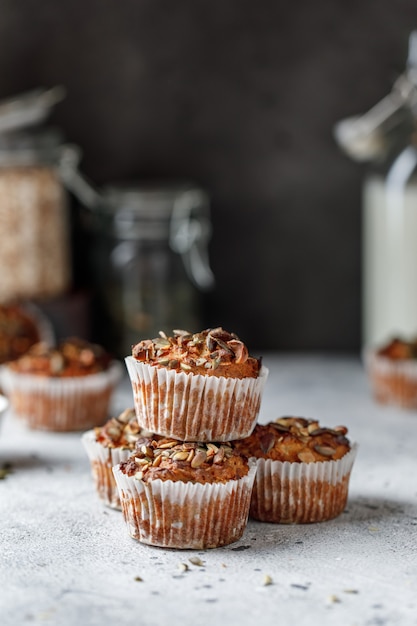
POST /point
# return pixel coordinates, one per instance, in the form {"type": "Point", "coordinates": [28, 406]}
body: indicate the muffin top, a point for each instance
{"type": "Point", "coordinates": [168, 459]}
{"type": "Point", "coordinates": [122, 431]}
{"type": "Point", "coordinates": [18, 332]}
{"type": "Point", "coordinates": [398, 349]}
{"type": "Point", "coordinates": [72, 357]}
{"type": "Point", "coordinates": [214, 352]}
{"type": "Point", "coordinates": [295, 439]}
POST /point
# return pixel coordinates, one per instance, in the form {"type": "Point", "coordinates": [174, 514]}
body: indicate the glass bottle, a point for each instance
{"type": "Point", "coordinates": [385, 137]}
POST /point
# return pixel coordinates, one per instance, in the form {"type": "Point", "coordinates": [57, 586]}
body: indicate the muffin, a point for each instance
{"type": "Point", "coordinates": [196, 387]}
{"type": "Point", "coordinates": [21, 326]}
{"type": "Point", "coordinates": [109, 445]}
{"type": "Point", "coordinates": [185, 494]}
{"type": "Point", "coordinates": [68, 387]}
{"type": "Point", "coordinates": [303, 470]}
{"type": "Point", "coordinates": [392, 372]}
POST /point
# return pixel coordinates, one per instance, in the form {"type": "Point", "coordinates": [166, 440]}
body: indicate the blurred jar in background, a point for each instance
{"type": "Point", "coordinates": [35, 248]}
{"type": "Point", "coordinates": [149, 260]}
{"type": "Point", "coordinates": [386, 138]}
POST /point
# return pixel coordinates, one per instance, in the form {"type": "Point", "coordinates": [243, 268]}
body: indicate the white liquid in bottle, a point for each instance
{"type": "Point", "coordinates": [389, 260]}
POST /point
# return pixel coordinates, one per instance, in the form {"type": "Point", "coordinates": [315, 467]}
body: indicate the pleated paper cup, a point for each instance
{"type": "Point", "coordinates": [185, 515]}
{"type": "Point", "coordinates": [102, 460]}
{"type": "Point", "coordinates": [299, 493]}
{"type": "Point", "coordinates": [61, 404]}
{"type": "Point", "coordinates": [194, 407]}
{"type": "Point", "coordinates": [393, 382]}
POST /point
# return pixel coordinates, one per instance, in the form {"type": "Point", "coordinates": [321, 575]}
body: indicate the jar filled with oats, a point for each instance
{"type": "Point", "coordinates": [150, 260]}
{"type": "Point", "coordinates": [35, 234]}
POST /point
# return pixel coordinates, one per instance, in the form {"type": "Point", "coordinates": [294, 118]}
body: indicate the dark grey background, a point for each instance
{"type": "Point", "coordinates": [240, 96]}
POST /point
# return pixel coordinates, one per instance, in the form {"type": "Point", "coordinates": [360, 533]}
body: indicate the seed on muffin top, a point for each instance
{"type": "Point", "coordinates": [169, 459]}
{"type": "Point", "coordinates": [213, 351]}
{"type": "Point", "coordinates": [295, 439]}
{"type": "Point", "coordinates": [121, 432]}
{"type": "Point", "coordinates": [72, 357]}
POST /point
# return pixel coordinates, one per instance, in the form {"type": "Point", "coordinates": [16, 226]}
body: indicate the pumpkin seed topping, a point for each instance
{"type": "Point", "coordinates": [209, 349]}
{"type": "Point", "coordinates": [193, 454]}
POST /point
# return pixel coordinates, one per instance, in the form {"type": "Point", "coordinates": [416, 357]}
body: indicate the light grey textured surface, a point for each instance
{"type": "Point", "coordinates": [66, 560]}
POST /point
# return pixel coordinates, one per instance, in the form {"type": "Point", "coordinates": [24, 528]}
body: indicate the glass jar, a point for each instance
{"type": "Point", "coordinates": [149, 260]}
{"type": "Point", "coordinates": [35, 248]}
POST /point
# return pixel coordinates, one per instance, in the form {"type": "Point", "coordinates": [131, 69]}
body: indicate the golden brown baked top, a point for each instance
{"type": "Point", "coordinates": [72, 357]}
{"type": "Point", "coordinates": [122, 431]}
{"type": "Point", "coordinates": [399, 349]}
{"type": "Point", "coordinates": [295, 439]}
{"type": "Point", "coordinates": [168, 459]}
{"type": "Point", "coordinates": [18, 332]}
{"type": "Point", "coordinates": [214, 351]}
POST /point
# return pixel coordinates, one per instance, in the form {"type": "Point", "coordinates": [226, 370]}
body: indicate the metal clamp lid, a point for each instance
{"type": "Point", "coordinates": [366, 137]}
{"type": "Point", "coordinates": [190, 234]}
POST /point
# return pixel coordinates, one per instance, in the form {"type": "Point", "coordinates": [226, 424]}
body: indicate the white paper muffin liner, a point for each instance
{"type": "Point", "coordinates": [296, 493]}
{"type": "Point", "coordinates": [193, 407]}
{"type": "Point", "coordinates": [61, 404]}
{"type": "Point", "coordinates": [102, 460]}
{"type": "Point", "coordinates": [185, 515]}
{"type": "Point", "coordinates": [393, 382]}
